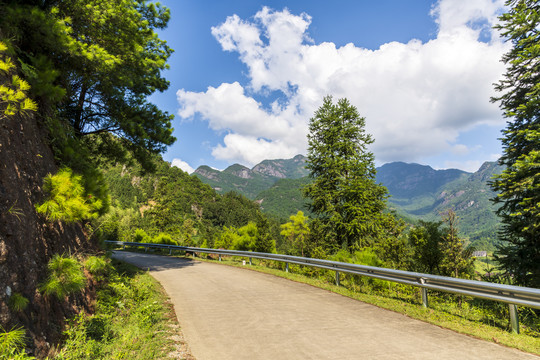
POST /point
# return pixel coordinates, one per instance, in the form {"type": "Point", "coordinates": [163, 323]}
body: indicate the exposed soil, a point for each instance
{"type": "Point", "coordinates": [27, 240]}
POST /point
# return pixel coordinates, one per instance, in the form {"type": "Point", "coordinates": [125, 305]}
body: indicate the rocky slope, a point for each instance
{"type": "Point", "coordinates": [27, 241]}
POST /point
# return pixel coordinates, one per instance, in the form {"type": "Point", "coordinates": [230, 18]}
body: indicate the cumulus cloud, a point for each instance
{"type": "Point", "coordinates": [469, 165]}
{"type": "Point", "coordinates": [182, 165]}
{"type": "Point", "coordinates": [417, 97]}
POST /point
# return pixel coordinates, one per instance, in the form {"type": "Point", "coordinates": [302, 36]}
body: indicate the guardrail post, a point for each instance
{"type": "Point", "coordinates": [249, 261]}
{"type": "Point", "coordinates": [146, 249]}
{"type": "Point", "coordinates": [424, 298]}
{"type": "Point", "coordinates": [337, 278]}
{"type": "Point", "coordinates": [219, 257]}
{"type": "Point", "coordinates": [514, 319]}
{"type": "Point", "coordinates": [424, 294]}
{"type": "Point", "coordinates": [124, 247]}
{"type": "Point", "coordinates": [170, 250]}
{"type": "Point", "coordinates": [286, 267]}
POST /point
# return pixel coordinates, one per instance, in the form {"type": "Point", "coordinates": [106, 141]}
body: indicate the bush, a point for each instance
{"type": "Point", "coordinates": [165, 239]}
{"type": "Point", "coordinates": [17, 302]}
{"type": "Point", "coordinates": [97, 266]}
{"type": "Point", "coordinates": [141, 236]}
{"type": "Point", "coordinates": [66, 277]}
{"type": "Point", "coordinates": [66, 198]}
{"type": "Point", "coordinates": [363, 257]}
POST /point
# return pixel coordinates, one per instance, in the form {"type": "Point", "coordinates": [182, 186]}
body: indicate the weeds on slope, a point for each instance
{"type": "Point", "coordinates": [133, 320]}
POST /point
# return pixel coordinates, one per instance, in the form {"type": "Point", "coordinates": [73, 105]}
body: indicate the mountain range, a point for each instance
{"type": "Point", "coordinates": [417, 192]}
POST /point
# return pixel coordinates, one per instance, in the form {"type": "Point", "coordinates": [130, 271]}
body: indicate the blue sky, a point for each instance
{"type": "Point", "coordinates": [246, 76]}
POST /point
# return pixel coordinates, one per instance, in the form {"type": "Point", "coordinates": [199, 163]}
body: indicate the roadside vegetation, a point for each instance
{"type": "Point", "coordinates": [132, 320]}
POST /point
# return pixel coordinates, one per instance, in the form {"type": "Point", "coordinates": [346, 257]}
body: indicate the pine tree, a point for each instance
{"type": "Point", "coordinates": [457, 261]}
{"type": "Point", "coordinates": [518, 186]}
{"type": "Point", "coordinates": [344, 195]}
{"type": "Point", "coordinates": [96, 63]}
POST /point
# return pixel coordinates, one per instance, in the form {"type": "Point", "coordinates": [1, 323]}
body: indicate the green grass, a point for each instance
{"type": "Point", "coordinates": [17, 302]}
{"type": "Point", "coordinates": [12, 344]}
{"type": "Point", "coordinates": [133, 320]}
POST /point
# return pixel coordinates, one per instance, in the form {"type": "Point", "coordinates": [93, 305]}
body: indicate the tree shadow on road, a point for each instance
{"type": "Point", "coordinates": [152, 262]}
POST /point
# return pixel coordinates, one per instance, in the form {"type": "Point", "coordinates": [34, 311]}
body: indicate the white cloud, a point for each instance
{"type": "Point", "coordinates": [182, 165]}
{"type": "Point", "coordinates": [469, 165]}
{"type": "Point", "coordinates": [460, 149]}
{"type": "Point", "coordinates": [416, 97]}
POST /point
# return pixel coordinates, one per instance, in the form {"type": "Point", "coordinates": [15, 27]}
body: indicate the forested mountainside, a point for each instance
{"type": "Point", "coordinates": [467, 194]}
{"type": "Point", "coordinates": [416, 192]}
{"type": "Point", "coordinates": [169, 202]}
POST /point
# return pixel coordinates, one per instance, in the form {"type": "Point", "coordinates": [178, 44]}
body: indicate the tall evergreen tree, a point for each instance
{"type": "Point", "coordinates": [518, 186]}
{"type": "Point", "coordinates": [344, 195]}
{"type": "Point", "coordinates": [457, 261]}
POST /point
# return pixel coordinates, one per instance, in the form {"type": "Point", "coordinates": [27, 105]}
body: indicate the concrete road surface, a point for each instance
{"type": "Point", "coordinates": [231, 313]}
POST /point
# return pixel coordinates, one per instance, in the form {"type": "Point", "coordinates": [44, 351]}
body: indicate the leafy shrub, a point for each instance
{"type": "Point", "coordinates": [17, 302]}
{"type": "Point", "coordinates": [163, 238]}
{"type": "Point", "coordinates": [141, 236]}
{"type": "Point", "coordinates": [97, 266]}
{"type": "Point", "coordinates": [66, 199]}
{"type": "Point", "coordinates": [65, 277]}
{"type": "Point", "coordinates": [362, 257]}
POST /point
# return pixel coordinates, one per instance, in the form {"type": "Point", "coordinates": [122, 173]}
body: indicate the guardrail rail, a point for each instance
{"type": "Point", "coordinates": [512, 295]}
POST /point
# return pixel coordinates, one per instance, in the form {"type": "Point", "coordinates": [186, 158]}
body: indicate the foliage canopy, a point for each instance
{"type": "Point", "coordinates": [518, 186]}
{"type": "Point", "coordinates": [96, 63]}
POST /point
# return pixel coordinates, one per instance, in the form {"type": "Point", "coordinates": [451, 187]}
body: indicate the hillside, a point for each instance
{"type": "Point", "coordinates": [169, 201]}
{"type": "Point", "coordinates": [284, 198]}
{"type": "Point", "coordinates": [250, 182]}
{"type": "Point", "coordinates": [412, 180]}
{"type": "Point", "coordinates": [467, 194]}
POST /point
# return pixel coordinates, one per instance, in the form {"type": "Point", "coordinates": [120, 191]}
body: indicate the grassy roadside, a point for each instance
{"type": "Point", "coordinates": [442, 313]}
{"type": "Point", "coordinates": [133, 320]}
{"type": "Point", "coordinates": [133, 317]}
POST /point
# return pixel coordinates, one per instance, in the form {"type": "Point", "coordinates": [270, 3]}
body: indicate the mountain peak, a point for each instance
{"type": "Point", "coordinates": [241, 171]}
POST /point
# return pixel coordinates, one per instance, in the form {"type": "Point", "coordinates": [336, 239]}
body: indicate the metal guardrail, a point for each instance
{"type": "Point", "coordinates": [512, 295]}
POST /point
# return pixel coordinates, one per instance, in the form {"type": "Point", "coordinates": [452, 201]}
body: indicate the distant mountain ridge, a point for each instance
{"type": "Point", "coordinates": [416, 191]}
{"type": "Point", "coordinates": [251, 182]}
{"type": "Point", "coordinates": [410, 180]}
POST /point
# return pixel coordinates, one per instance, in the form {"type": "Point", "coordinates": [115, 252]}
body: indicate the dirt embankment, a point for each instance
{"type": "Point", "coordinates": [27, 241]}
